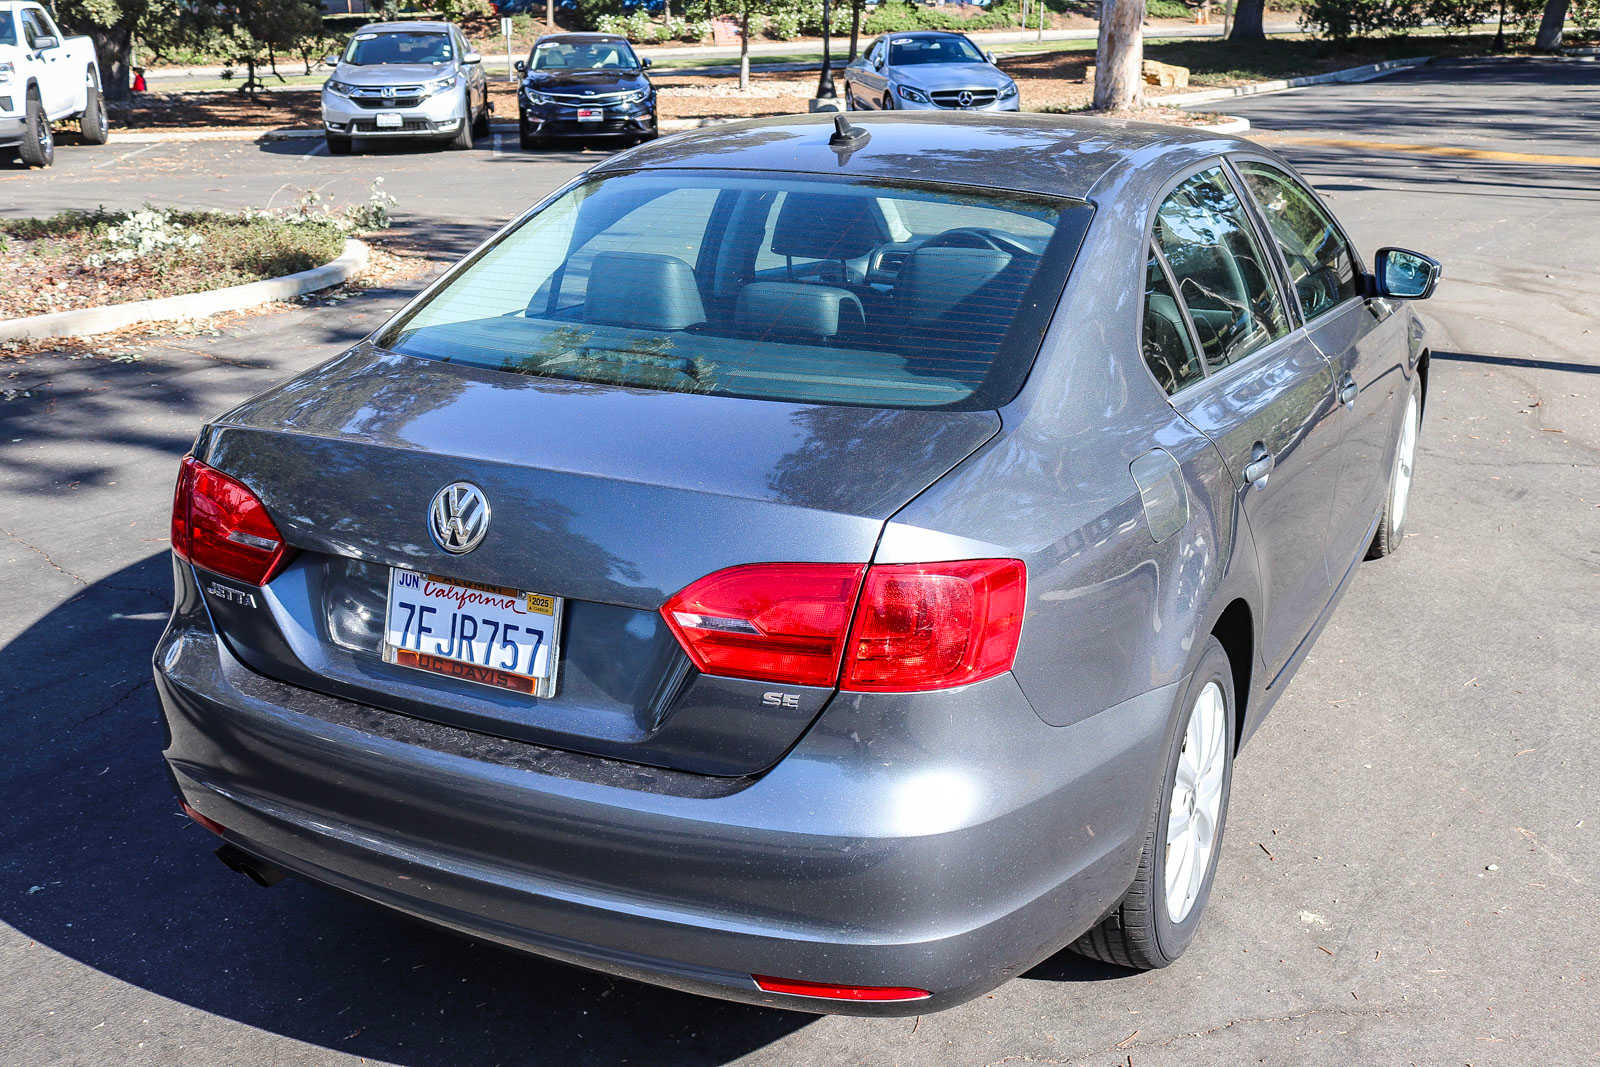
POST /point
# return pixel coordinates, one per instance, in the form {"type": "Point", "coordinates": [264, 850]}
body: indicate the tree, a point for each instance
{"type": "Point", "coordinates": [1551, 26]}
{"type": "Point", "coordinates": [1247, 21]}
{"type": "Point", "coordinates": [256, 27]}
{"type": "Point", "coordinates": [855, 28]}
{"type": "Point", "coordinates": [1119, 56]}
{"type": "Point", "coordinates": [112, 25]}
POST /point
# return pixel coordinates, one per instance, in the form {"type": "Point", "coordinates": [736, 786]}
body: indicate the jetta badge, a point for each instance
{"type": "Point", "coordinates": [459, 517]}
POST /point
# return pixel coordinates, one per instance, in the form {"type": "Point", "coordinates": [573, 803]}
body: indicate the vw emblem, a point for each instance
{"type": "Point", "coordinates": [964, 99]}
{"type": "Point", "coordinates": [588, 92]}
{"type": "Point", "coordinates": [458, 517]}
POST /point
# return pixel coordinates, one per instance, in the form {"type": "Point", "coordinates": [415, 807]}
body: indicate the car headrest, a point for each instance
{"type": "Point", "coordinates": [935, 281]}
{"type": "Point", "coordinates": [642, 290]}
{"type": "Point", "coordinates": [778, 310]}
{"type": "Point", "coordinates": [825, 226]}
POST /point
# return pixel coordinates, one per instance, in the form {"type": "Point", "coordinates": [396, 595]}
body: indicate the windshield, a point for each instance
{"type": "Point", "coordinates": [371, 49]}
{"type": "Point", "coordinates": [584, 55]}
{"type": "Point", "coordinates": [8, 28]}
{"type": "Point", "coordinates": [775, 287]}
{"type": "Point", "coordinates": [909, 51]}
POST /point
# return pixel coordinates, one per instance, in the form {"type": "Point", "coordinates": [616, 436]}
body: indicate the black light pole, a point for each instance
{"type": "Point", "coordinates": [825, 82]}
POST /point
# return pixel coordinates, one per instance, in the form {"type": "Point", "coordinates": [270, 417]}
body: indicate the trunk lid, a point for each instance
{"type": "Point", "coordinates": [611, 498]}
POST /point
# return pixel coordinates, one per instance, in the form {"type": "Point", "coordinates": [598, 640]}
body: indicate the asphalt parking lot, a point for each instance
{"type": "Point", "coordinates": [1410, 872]}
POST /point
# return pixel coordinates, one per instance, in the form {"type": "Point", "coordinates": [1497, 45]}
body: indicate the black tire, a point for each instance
{"type": "Point", "coordinates": [463, 138]}
{"type": "Point", "coordinates": [339, 146]}
{"type": "Point", "coordinates": [888, 102]}
{"type": "Point", "coordinates": [38, 147]}
{"type": "Point", "coordinates": [1392, 523]}
{"type": "Point", "coordinates": [92, 124]}
{"type": "Point", "coordinates": [1141, 933]}
{"type": "Point", "coordinates": [480, 125]}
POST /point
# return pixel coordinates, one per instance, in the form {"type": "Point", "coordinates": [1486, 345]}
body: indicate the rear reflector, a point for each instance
{"type": "Point", "coordinates": [219, 524]}
{"type": "Point", "coordinates": [210, 824]}
{"type": "Point", "coordinates": [823, 991]}
{"type": "Point", "coordinates": [777, 622]}
{"type": "Point", "coordinates": [916, 627]}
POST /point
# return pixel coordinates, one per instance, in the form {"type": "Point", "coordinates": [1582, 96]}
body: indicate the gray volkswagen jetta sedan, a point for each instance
{"type": "Point", "coordinates": [825, 566]}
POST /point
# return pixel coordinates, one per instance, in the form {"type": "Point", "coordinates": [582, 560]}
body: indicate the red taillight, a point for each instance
{"type": "Point", "coordinates": [935, 625]}
{"type": "Point", "coordinates": [218, 524]}
{"type": "Point", "coordinates": [210, 824]}
{"type": "Point", "coordinates": [777, 622]}
{"type": "Point", "coordinates": [824, 991]}
{"type": "Point", "coordinates": [916, 627]}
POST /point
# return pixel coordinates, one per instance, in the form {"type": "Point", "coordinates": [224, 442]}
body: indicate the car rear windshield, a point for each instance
{"type": "Point", "coordinates": [794, 288]}
{"type": "Point", "coordinates": [371, 49]}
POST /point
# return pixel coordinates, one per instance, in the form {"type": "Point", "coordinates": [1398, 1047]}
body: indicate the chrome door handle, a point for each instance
{"type": "Point", "coordinates": [1348, 392]}
{"type": "Point", "coordinates": [1260, 465]}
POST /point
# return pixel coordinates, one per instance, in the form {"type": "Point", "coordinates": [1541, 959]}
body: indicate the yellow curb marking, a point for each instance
{"type": "Point", "coordinates": [1440, 150]}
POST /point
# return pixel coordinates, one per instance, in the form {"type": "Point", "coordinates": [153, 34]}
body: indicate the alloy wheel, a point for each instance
{"type": "Point", "coordinates": [1196, 803]}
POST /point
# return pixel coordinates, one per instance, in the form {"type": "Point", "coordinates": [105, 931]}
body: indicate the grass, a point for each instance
{"type": "Point", "coordinates": [48, 261]}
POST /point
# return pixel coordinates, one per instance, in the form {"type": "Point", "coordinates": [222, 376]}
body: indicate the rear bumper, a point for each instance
{"type": "Point", "coordinates": [944, 858]}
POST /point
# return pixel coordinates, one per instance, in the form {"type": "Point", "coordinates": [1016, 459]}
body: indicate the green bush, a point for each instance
{"type": "Point", "coordinates": [1167, 9]}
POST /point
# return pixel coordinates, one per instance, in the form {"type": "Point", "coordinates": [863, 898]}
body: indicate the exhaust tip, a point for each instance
{"type": "Point", "coordinates": [258, 870]}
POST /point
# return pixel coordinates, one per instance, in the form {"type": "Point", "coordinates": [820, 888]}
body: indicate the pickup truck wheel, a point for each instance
{"type": "Point", "coordinates": [92, 123]}
{"type": "Point", "coordinates": [38, 147]}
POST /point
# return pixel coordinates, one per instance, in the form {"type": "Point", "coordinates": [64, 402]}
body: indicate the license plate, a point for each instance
{"type": "Point", "coordinates": [591, 114]}
{"type": "Point", "coordinates": [506, 638]}
{"type": "Point", "coordinates": [393, 122]}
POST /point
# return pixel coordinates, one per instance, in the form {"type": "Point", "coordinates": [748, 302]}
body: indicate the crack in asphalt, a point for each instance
{"type": "Point", "coordinates": [1349, 1013]}
{"type": "Point", "coordinates": [44, 556]}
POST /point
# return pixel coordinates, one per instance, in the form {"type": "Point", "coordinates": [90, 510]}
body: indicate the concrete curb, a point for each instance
{"type": "Point", "coordinates": [1229, 124]}
{"type": "Point", "coordinates": [85, 321]}
{"type": "Point", "coordinates": [1349, 74]}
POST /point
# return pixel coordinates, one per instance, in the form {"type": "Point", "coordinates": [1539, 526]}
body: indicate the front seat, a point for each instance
{"type": "Point", "coordinates": [955, 303]}
{"type": "Point", "coordinates": [642, 291]}
{"type": "Point", "coordinates": [795, 311]}
{"type": "Point", "coordinates": [827, 226]}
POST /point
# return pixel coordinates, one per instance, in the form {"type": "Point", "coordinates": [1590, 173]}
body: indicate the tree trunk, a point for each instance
{"type": "Point", "coordinates": [1118, 80]}
{"type": "Point", "coordinates": [113, 47]}
{"type": "Point", "coordinates": [550, 14]}
{"type": "Point", "coordinates": [1247, 22]}
{"type": "Point", "coordinates": [744, 48]}
{"type": "Point", "coordinates": [855, 28]}
{"type": "Point", "coordinates": [1551, 26]}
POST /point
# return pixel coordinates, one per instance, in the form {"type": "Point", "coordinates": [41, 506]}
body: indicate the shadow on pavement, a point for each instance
{"type": "Point", "coordinates": [1520, 361]}
{"type": "Point", "coordinates": [100, 866]}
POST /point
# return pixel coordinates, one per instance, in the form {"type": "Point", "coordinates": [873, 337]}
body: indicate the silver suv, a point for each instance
{"type": "Point", "coordinates": [406, 79]}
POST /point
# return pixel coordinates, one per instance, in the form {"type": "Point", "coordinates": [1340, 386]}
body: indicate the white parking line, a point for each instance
{"type": "Point", "coordinates": [126, 155]}
{"type": "Point", "coordinates": [317, 147]}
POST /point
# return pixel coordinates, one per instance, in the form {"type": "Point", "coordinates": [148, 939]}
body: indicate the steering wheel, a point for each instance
{"type": "Point", "coordinates": [978, 237]}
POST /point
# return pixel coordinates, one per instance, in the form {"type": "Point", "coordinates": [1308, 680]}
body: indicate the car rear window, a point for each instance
{"type": "Point", "coordinates": [793, 288]}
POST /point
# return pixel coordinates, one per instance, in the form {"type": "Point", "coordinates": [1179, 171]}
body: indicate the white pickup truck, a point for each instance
{"type": "Point", "coordinates": [45, 77]}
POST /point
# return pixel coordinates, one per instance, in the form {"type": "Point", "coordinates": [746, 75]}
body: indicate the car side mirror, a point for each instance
{"type": "Point", "coordinates": [990, 57]}
{"type": "Point", "coordinates": [520, 67]}
{"type": "Point", "coordinates": [471, 57]}
{"type": "Point", "coordinates": [644, 62]}
{"type": "Point", "coordinates": [1406, 275]}
{"type": "Point", "coordinates": [877, 64]}
{"type": "Point", "coordinates": [41, 43]}
{"type": "Point", "coordinates": [330, 61]}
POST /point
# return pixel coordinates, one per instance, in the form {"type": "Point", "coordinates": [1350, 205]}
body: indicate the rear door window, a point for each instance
{"type": "Point", "coordinates": [1224, 278]}
{"type": "Point", "coordinates": [766, 286]}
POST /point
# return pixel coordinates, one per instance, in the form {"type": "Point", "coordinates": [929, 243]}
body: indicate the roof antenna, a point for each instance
{"type": "Point", "coordinates": [847, 140]}
{"type": "Point", "coordinates": [846, 135]}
